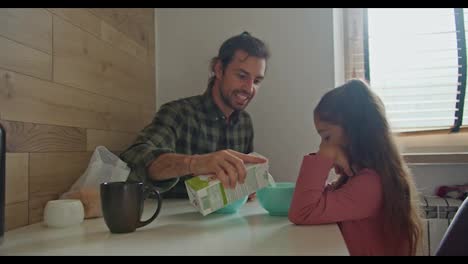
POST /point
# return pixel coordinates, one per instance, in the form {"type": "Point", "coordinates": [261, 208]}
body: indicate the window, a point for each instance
{"type": "Point", "coordinates": [415, 60]}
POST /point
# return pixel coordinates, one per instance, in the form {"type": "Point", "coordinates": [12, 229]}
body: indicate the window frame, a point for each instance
{"type": "Point", "coordinates": [462, 60]}
{"type": "Point", "coordinates": [409, 142]}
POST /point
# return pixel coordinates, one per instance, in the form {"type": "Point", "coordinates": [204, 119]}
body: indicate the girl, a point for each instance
{"type": "Point", "coordinates": [374, 200]}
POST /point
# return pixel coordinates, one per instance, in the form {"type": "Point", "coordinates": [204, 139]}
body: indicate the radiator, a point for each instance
{"type": "Point", "coordinates": [438, 213]}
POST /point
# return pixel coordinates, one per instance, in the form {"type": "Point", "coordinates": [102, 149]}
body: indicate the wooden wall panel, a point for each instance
{"type": "Point", "coordinates": [70, 80]}
{"type": "Point", "coordinates": [138, 27]}
{"type": "Point", "coordinates": [113, 141]}
{"type": "Point", "coordinates": [51, 175]}
{"type": "Point", "coordinates": [16, 215]}
{"type": "Point", "coordinates": [30, 137]}
{"type": "Point", "coordinates": [83, 61]}
{"type": "Point", "coordinates": [119, 40]}
{"type": "Point", "coordinates": [31, 27]}
{"type": "Point", "coordinates": [152, 42]}
{"type": "Point", "coordinates": [27, 99]}
{"type": "Point", "coordinates": [148, 114]}
{"type": "Point", "coordinates": [133, 22]}
{"type": "Point", "coordinates": [113, 16]}
{"type": "Point", "coordinates": [79, 17]}
{"type": "Point", "coordinates": [20, 58]}
{"type": "Point", "coordinates": [16, 177]}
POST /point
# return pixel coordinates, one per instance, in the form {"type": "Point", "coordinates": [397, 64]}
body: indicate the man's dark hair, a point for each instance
{"type": "Point", "coordinates": [245, 42]}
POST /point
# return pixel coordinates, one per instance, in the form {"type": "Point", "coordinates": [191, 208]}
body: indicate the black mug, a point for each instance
{"type": "Point", "coordinates": [122, 205]}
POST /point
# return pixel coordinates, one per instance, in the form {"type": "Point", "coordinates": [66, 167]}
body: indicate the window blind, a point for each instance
{"type": "Point", "coordinates": [413, 64]}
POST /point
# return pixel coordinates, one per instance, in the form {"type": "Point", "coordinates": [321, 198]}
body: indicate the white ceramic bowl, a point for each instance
{"type": "Point", "coordinates": [62, 213]}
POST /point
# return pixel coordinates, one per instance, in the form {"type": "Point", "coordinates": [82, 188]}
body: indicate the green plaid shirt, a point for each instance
{"type": "Point", "coordinates": [192, 125]}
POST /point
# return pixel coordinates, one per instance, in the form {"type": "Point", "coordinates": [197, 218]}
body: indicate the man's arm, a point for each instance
{"type": "Point", "coordinates": [153, 155]}
{"type": "Point", "coordinates": [170, 165]}
{"type": "Point", "coordinates": [154, 140]}
{"type": "Point", "coordinates": [226, 165]}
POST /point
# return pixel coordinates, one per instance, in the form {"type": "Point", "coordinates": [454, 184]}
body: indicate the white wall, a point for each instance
{"type": "Point", "coordinates": [429, 177]}
{"type": "Point", "coordinates": [300, 71]}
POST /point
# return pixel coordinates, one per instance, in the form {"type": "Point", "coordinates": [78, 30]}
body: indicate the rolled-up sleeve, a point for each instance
{"type": "Point", "coordinates": [157, 138]}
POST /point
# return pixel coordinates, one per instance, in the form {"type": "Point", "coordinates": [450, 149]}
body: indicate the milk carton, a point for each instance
{"type": "Point", "coordinates": [207, 193]}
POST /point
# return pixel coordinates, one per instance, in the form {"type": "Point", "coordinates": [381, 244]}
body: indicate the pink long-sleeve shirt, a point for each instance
{"type": "Point", "coordinates": [356, 206]}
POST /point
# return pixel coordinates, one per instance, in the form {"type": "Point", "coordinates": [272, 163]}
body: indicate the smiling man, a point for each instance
{"type": "Point", "coordinates": [209, 133]}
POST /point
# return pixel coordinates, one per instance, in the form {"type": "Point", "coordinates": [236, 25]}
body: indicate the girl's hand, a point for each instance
{"type": "Point", "coordinates": [337, 154]}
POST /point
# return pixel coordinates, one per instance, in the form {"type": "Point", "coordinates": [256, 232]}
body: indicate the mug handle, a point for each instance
{"type": "Point", "coordinates": [143, 223]}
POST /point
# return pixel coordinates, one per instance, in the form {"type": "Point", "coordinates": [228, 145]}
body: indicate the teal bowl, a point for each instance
{"type": "Point", "coordinates": [276, 199]}
{"type": "Point", "coordinates": [233, 207]}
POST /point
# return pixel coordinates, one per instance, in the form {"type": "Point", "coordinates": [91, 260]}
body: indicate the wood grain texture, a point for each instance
{"type": "Point", "coordinates": [31, 27]}
{"type": "Point", "coordinates": [138, 25]}
{"type": "Point", "coordinates": [121, 41]}
{"type": "Point", "coordinates": [113, 16]}
{"type": "Point", "coordinates": [16, 215]}
{"type": "Point", "coordinates": [148, 114]}
{"type": "Point", "coordinates": [27, 99]}
{"type": "Point", "coordinates": [113, 141]}
{"type": "Point", "coordinates": [152, 41]}
{"type": "Point", "coordinates": [23, 59]}
{"type": "Point", "coordinates": [30, 137]}
{"type": "Point", "coordinates": [70, 79]}
{"type": "Point", "coordinates": [79, 17]}
{"type": "Point", "coordinates": [17, 174]}
{"type": "Point", "coordinates": [152, 61]}
{"type": "Point", "coordinates": [133, 22]}
{"type": "Point", "coordinates": [83, 61]}
{"type": "Point", "coordinates": [36, 207]}
{"type": "Point", "coordinates": [51, 175]}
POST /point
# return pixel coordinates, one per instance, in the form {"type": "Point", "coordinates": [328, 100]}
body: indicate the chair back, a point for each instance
{"type": "Point", "coordinates": [455, 239]}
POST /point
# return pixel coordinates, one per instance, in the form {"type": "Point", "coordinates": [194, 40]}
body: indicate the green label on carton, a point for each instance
{"type": "Point", "coordinates": [223, 194]}
{"type": "Point", "coordinates": [197, 184]}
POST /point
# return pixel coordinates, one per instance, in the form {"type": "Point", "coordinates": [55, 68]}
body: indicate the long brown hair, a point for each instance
{"type": "Point", "coordinates": [361, 114]}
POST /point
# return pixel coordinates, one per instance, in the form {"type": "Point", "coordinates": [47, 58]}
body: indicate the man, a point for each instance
{"type": "Point", "coordinates": [205, 134]}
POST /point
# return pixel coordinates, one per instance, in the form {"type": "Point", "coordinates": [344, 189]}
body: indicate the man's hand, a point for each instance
{"type": "Point", "coordinates": [227, 165]}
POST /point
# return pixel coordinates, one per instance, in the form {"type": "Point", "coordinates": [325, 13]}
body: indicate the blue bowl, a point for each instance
{"type": "Point", "coordinates": [232, 207]}
{"type": "Point", "coordinates": [276, 199]}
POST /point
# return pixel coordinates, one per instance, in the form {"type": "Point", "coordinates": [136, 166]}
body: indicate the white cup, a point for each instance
{"type": "Point", "coordinates": [62, 213]}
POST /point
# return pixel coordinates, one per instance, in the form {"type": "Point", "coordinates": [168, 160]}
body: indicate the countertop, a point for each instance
{"type": "Point", "coordinates": [181, 230]}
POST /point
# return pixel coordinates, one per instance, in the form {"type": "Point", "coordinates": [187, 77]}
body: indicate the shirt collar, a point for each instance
{"type": "Point", "coordinates": [212, 110]}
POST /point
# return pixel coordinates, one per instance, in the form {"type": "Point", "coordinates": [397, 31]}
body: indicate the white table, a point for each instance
{"type": "Point", "coordinates": [181, 230]}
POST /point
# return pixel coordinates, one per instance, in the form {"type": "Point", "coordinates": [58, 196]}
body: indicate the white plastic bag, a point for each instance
{"type": "Point", "coordinates": [103, 166]}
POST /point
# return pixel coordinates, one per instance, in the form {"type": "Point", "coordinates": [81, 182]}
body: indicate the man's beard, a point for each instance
{"type": "Point", "coordinates": [228, 102]}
